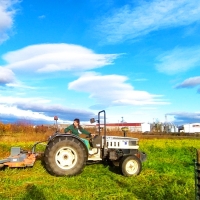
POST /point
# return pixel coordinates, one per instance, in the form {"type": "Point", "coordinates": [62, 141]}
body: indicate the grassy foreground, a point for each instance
{"type": "Point", "coordinates": [168, 173]}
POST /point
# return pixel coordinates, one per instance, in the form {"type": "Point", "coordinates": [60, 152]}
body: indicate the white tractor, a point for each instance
{"type": "Point", "coordinates": [67, 154]}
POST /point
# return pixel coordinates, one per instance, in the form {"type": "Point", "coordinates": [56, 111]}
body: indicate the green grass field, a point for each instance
{"type": "Point", "coordinates": [168, 173]}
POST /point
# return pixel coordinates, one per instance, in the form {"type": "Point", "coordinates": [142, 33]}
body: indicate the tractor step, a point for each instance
{"type": "Point", "coordinates": [94, 154]}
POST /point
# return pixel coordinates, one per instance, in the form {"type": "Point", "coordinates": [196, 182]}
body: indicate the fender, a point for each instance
{"type": "Point", "coordinates": [57, 135]}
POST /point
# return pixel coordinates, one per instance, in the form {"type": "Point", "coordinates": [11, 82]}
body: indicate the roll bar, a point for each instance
{"type": "Point", "coordinates": [104, 124]}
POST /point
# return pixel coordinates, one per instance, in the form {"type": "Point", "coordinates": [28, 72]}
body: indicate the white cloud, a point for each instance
{"type": "Point", "coordinates": [178, 60]}
{"type": "Point", "coordinates": [190, 82]}
{"type": "Point", "coordinates": [14, 108]}
{"type": "Point", "coordinates": [112, 90]}
{"type": "Point", "coordinates": [56, 57]}
{"type": "Point", "coordinates": [41, 16]}
{"type": "Point", "coordinates": [16, 113]}
{"type": "Point", "coordinates": [185, 117]}
{"type": "Point", "coordinates": [20, 85]}
{"type": "Point", "coordinates": [9, 100]}
{"type": "Point", "coordinates": [7, 13]}
{"type": "Point", "coordinates": [38, 109]}
{"type": "Point", "coordinates": [6, 76]}
{"type": "Point", "coordinates": [140, 79]}
{"type": "Point", "coordinates": [130, 22]}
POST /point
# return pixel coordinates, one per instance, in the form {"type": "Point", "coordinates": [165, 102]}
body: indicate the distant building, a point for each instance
{"type": "Point", "coordinates": [190, 128]}
{"type": "Point", "coordinates": [132, 127]}
{"type": "Point", "coordinates": [146, 127]}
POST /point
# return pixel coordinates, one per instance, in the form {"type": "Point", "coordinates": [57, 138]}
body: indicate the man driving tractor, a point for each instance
{"type": "Point", "coordinates": [76, 129]}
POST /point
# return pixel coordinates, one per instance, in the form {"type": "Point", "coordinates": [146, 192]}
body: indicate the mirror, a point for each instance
{"type": "Point", "coordinates": [92, 120]}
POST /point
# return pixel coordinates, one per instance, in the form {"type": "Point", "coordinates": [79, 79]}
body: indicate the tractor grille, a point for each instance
{"type": "Point", "coordinates": [133, 143]}
{"type": "Point", "coordinates": [113, 144]}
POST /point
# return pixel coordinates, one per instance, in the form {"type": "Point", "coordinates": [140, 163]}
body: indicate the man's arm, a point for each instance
{"type": "Point", "coordinates": [84, 131]}
{"type": "Point", "coordinates": [69, 128]}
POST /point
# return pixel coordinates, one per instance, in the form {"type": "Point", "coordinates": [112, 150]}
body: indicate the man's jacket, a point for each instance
{"type": "Point", "coordinates": [76, 131]}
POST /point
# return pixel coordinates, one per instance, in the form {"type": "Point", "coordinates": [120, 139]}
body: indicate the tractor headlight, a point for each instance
{"type": "Point", "coordinates": [133, 143]}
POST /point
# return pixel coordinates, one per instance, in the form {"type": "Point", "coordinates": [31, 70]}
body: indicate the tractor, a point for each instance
{"type": "Point", "coordinates": [66, 154]}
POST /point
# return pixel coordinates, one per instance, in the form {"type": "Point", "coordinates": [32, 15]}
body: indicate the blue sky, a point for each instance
{"type": "Point", "coordinates": [138, 60]}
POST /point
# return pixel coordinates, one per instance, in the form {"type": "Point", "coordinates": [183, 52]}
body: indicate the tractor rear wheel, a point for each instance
{"type": "Point", "coordinates": [130, 165]}
{"type": "Point", "coordinates": [65, 156]}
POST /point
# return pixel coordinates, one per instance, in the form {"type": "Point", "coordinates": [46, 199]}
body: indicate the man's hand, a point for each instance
{"type": "Point", "coordinates": [91, 135]}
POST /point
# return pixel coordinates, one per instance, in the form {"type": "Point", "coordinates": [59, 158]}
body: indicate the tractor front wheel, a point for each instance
{"type": "Point", "coordinates": [130, 165]}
